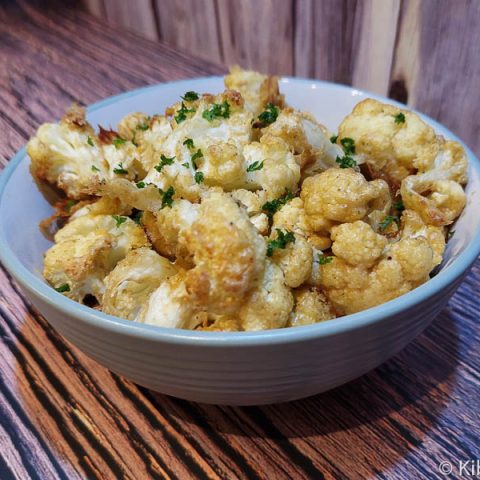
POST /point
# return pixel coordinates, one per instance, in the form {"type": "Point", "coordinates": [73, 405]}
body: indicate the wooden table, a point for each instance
{"type": "Point", "coordinates": [64, 416]}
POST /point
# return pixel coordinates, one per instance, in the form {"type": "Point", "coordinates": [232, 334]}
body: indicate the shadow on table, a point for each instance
{"type": "Point", "coordinates": [411, 388]}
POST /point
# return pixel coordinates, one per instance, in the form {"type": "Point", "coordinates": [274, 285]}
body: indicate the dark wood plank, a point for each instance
{"type": "Point", "coordinates": [64, 416]}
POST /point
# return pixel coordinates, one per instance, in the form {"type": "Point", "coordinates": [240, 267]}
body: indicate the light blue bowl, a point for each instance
{"type": "Point", "coordinates": [230, 368]}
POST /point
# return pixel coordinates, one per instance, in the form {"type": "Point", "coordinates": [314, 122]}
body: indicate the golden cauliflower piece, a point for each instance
{"type": "Point", "coordinates": [129, 285]}
{"type": "Point", "coordinates": [393, 142]}
{"type": "Point", "coordinates": [311, 306]}
{"type": "Point", "coordinates": [339, 195]}
{"type": "Point", "coordinates": [270, 304]}
{"type": "Point", "coordinates": [357, 243]}
{"type": "Point", "coordinates": [279, 172]}
{"type": "Point", "coordinates": [86, 250]}
{"type": "Point", "coordinates": [228, 254]}
{"type": "Point", "coordinates": [308, 140]}
{"type": "Point", "coordinates": [258, 90]}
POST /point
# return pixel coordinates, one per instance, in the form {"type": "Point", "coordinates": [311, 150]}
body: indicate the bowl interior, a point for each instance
{"type": "Point", "coordinates": [22, 206]}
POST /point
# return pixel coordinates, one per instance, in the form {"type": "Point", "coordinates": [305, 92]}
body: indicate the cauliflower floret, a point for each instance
{"type": "Point", "coordinates": [392, 141]}
{"type": "Point", "coordinates": [437, 195]}
{"type": "Point", "coordinates": [102, 206]}
{"type": "Point", "coordinates": [270, 304]}
{"type": "Point", "coordinates": [165, 227]}
{"type": "Point", "coordinates": [258, 90]}
{"type": "Point", "coordinates": [87, 249]}
{"type": "Point", "coordinates": [228, 254]}
{"type": "Point", "coordinates": [129, 285]}
{"type": "Point", "coordinates": [252, 202]}
{"type": "Point", "coordinates": [280, 171]}
{"type": "Point", "coordinates": [357, 243]}
{"type": "Point", "coordinates": [339, 195]}
{"type": "Point", "coordinates": [170, 305]}
{"type": "Point", "coordinates": [311, 306]}
{"type": "Point", "coordinates": [295, 260]}
{"type": "Point", "coordinates": [307, 139]}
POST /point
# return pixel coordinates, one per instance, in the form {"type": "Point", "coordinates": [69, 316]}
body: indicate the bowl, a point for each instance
{"type": "Point", "coordinates": [242, 368]}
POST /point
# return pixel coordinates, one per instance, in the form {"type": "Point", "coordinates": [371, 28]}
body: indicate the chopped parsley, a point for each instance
{"type": "Point", "coordinates": [253, 167]}
{"type": "Point", "coordinates": [189, 143]}
{"type": "Point", "coordinates": [348, 145]}
{"type": "Point", "coordinates": [195, 156]}
{"type": "Point", "coordinates": [137, 217]}
{"type": "Point", "coordinates": [346, 161]}
{"type": "Point", "coordinates": [90, 141]}
{"type": "Point", "coordinates": [334, 138]}
{"type": "Point", "coordinates": [399, 118]}
{"type": "Point", "coordinates": [217, 110]}
{"type": "Point", "coordinates": [182, 113]}
{"type": "Point", "coordinates": [323, 260]}
{"type": "Point", "coordinates": [95, 169]}
{"type": "Point", "coordinates": [388, 220]}
{"type": "Point", "coordinates": [120, 170]}
{"type": "Point", "coordinates": [399, 206]}
{"type": "Point", "coordinates": [144, 125]}
{"type": "Point", "coordinates": [190, 96]}
{"type": "Point", "coordinates": [167, 197]}
{"type": "Point", "coordinates": [186, 165]}
{"type": "Point", "coordinates": [268, 116]}
{"type": "Point", "coordinates": [282, 240]}
{"type": "Point", "coordinates": [119, 219]}
{"type": "Point", "coordinates": [65, 287]}
{"type": "Point", "coordinates": [199, 177]}
{"type": "Point", "coordinates": [271, 207]}
{"type": "Point", "coordinates": [140, 184]}
{"type": "Point", "coordinates": [164, 161]}
{"type": "Point", "coordinates": [118, 141]}
{"type": "Point", "coordinates": [70, 204]}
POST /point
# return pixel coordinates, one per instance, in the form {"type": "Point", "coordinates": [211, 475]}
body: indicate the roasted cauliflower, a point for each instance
{"type": "Point", "coordinates": [235, 212]}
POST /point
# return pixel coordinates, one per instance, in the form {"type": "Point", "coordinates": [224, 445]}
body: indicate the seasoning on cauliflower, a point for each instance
{"type": "Point", "coordinates": [311, 306]}
{"type": "Point", "coordinates": [86, 250]}
{"type": "Point", "coordinates": [129, 285]}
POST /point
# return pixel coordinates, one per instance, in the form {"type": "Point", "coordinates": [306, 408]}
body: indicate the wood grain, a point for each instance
{"type": "Point", "coordinates": [63, 416]}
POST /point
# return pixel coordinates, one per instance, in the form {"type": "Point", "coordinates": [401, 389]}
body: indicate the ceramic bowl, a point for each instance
{"type": "Point", "coordinates": [247, 368]}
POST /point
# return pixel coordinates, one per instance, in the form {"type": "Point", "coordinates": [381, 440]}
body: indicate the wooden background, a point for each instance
{"type": "Point", "coordinates": [420, 52]}
{"type": "Point", "coordinates": [64, 416]}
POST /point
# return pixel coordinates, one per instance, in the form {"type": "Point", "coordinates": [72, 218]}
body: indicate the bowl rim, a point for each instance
{"type": "Point", "coordinates": [365, 318]}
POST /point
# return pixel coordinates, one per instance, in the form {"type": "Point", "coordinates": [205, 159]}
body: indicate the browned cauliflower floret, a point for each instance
{"type": "Point", "coordinates": [339, 195]}
{"type": "Point", "coordinates": [270, 304]}
{"type": "Point", "coordinates": [228, 254]}
{"type": "Point", "coordinates": [258, 90]}
{"type": "Point", "coordinates": [87, 249]}
{"type": "Point", "coordinates": [308, 140]}
{"type": "Point", "coordinates": [129, 285]}
{"type": "Point", "coordinates": [278, 171]}
{"type": "Point", "coordinates": [295, 260]}
{"type": "Point", "coordinates": [357, 243]}
{"type": "Point", "coordinates": [393, 142]}
{"type": "Point", "coordinates": [311, 306]}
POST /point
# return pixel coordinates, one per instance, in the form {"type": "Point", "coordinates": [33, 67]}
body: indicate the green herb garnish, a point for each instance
{"type": "Point", "coordinates": [65, 287]}
{"type": "Point", "coordinates": [199, 177]}
{"type": "Point", "coordinates": [186, 165]}
{"type": "Point", "coordinates": [90, 141]}
{"type": "Point", "coordinates": [137, 217]}
{"type": "Point", "coordinates": [253, 167]}
{"type": "Point", "coordinates": [399, 118]}
{"type": "Point", "coordinates": [195, 156]}
{"type": "Point", "coordinates": [323, 260]}
{"type": "Point", "coordinates": [346, 162]}
{"type": "Point", "coordinates": [271, 207]}
{"type": "Point", "coordinates": [182, 113]}
{"type": "Point", "coordinates": [140, 184]}
{"type": "Point", "coordinates": [164, 161]}
{"type": "Point", "coordinates": [167, 197]}
{"type": "Point", "coordinates": [268, 116]}
{"type": "Point", "coordinates": [282, 240]}
{"type": "Point", "coordinates": [399, 206]}
{"type": "Point", "coordinates": [387, 221]}
{"type": "Point", "coordinates": [119, 219]}
{"type": "Point", "coordinates": [189, 143]}
{"type": "Point", "coordinates": [118, 141]}
{"type": "Point", "coordinates": [217, 110]}
{"type": "Point", "coordinates": [348, 145]}
{"type": "Point", "coordinates": [120, 170]}
{"type": "Point", "coordinates": [94, 168]}
{"type": "Point", "coordinates": [334, 138]}
{"type": "Point", "coordinates": [190, 96]}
